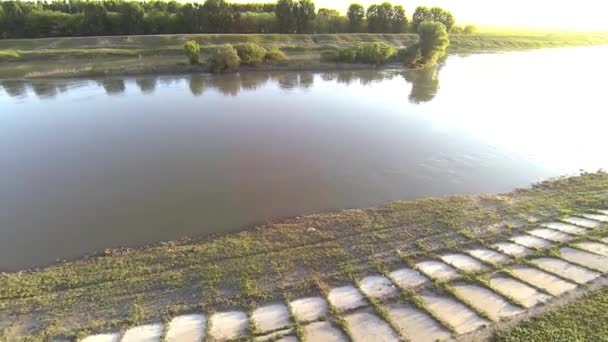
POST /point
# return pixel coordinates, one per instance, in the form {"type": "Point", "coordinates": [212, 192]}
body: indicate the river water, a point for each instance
{"type": "Point", "coordinates": [87, 164]}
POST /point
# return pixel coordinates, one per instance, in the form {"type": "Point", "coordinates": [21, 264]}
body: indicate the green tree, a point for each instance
{"type": "Point", "coordinates": [421, 14]}
{"type": "Point", "coordinates": [380, 18]}
{"type": "Point", "coordinates": [399, 19]}
{"type": "Point", "coordinates": [305, 15]}
{"type": "Point", "coordinates": [433, 41]}
{"type": "Point", "coordinates": [440, 15]}
{"type": "Point", "coordinates": [217, 16]}
{"type": "Point", "coordinates": [132, 17]}
{"type": "Point", "coordinates": [286, 16]}
{"type": "Point", "coordinates": [329, 21]}
{"type": "Point", "coordinates": [356, 18]}
{"type": "Point", "coordinates": [251, 53]}
{"type": "Point", "coordinates": [95, 18]}
{"type": "Point", "coordinates": [470, 29]}
{"type": "Point", "coordinates": [192, 51]}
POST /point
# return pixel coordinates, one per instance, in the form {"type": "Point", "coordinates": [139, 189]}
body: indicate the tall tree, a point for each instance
{"type": "Point", "coordinates": [217, 16]}
{"type": "Point", "coordinates": [356, 18]}
{"type": "Point", "coordinates": [380, 18]}
{"type": "Point", "coordinates": [286, 16]}
{"type": "Point", "coordinates": [305, 14]}
{"type": "Point", "coordinates": [132, 17]}
{"type": "Point", "coordinates": [95, 18]}
{"type": "Point", "coordinates": [421, 14]}
{"type": "Point", "coordinates": [399, 19]}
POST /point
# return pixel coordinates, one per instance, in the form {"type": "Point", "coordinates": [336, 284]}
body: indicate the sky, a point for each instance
{"type": "Point", "coordinates": [539, 14]}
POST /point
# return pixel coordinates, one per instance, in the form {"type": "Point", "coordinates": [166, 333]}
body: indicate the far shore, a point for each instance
{"type": "Point", "coordinates": [163, 54]}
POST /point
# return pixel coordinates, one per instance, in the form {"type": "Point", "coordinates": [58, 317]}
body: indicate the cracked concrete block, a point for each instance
{"type": "Point", "coordinates": [593, 247]}
{"type": "Point", "coordinates": [512, 249]}
{"type": "Point", "coordinates": [489, 256]}
{"type": "Point", "coordinates": [271, 317]}
{"type": "Point", "coordinates": [456, 314]}
{"type": "Point", "coordinates": [522, 293]}
{"type": "Point", "coordinates": [583, 222]}
{"type": "Point", "coordinates": [531, 241]}
{"type": "Point", "coordinates": [415, 325]}
{"type": "Point", "coordinates": [589, 260]}
{"type": "Point", "coordinates": [550, 235]}
{"type": "Point", "coordinates": [565, 227]}
{"type": "Point", "coordinates": [309, 309]}
{"type": "Point", "coordinates": [111, 337]}
{"type": "Point", "coordinates": [548, 282]}
{"type": "Point", "coordinates": [463, 262]}
{"type": "Point", "coordinates": [437, 270]}
{"type": "Point", "coordinates": [187, 328]}
{"type": "Point", "coordinates": [323, 331]}
{"type": "Point", "coordinates": [144, 333]}
{"type": "Point", "coordinates": [487, 301]}
{"type": "Point", "coordinates": [228, 325]}
{"type": "Point", "coordinates": [407, 278]}
{"type": "Point", "coordinates": [567, 270]}
{"type": "Point", "coordinates": [346, 298]}
{"type": "Point", "coordinates": [366, 326]}
{"type": "Point", "coordinates": [378, 287]}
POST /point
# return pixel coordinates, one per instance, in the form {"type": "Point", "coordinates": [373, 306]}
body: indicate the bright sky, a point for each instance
{"type": "Point", "coordinates": [546, 14]}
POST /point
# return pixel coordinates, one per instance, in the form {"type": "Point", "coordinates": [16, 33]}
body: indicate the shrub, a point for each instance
{"type": "Point", "coordinates": [433, 42]}
{"type": "Point", "coordinates": [251, 53]}
{"type": "Point", "coordinates": [368, 53]}
{"type": "Point", "coordinates": [470, 29]}
{"type": "Point", "coordinates": [192, 50]}
{"type": "Point", "coordinates": [375, 53]}
{"type": "Point", "coordinates": [224, 59]}
{"type": "Point", "coordinates": [275, 55]}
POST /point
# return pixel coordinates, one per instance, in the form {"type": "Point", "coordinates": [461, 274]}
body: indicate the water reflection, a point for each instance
{"type": "Point", "coordinates": [424, 83]}
{"type": "Point", "coordinates": [146, 84]}
{"type": "Point", "coordinates": [113, 86]}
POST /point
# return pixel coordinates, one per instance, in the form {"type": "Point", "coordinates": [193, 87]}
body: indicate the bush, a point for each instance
{"type": "Point", "coordinates": [470, 29]}
{"type": "Point", "coordinates": [275, 55]}
{"type": "Point", "coordinates": [375, 53]}
{"type": "Point", "coordinates": [368, 53]}
{"type": "Point", "coordinates": [251, 53]}
{"type": "Point", "coordinates": [410, 56]}
{"type": "Point", "coordinates": [224, 59]}
{"type": "Point", "coordinates": [192, 50]}
{"type": "Point", "coordinates": [433, 41]}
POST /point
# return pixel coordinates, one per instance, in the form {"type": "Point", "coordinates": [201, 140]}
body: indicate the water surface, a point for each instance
{"type": "Point", "coordinates": [94, 163]}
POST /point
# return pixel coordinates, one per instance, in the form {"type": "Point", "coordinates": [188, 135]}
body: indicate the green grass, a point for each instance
{"type": "Point", "coordinates": [110, 291]}
{"type": "Point", "coordinates": [583, 320]}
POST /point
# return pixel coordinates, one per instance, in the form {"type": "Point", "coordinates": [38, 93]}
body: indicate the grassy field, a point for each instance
{"type": "Point", "coordinates": [158, 52]}
{"type": "Point", "coordinates": [583, 320]}
{"type": "Point", "coordinates": [278, 260]}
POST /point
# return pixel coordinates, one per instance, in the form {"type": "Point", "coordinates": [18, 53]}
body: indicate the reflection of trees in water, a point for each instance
{"type": "Point", "coordinates": [228, 84]}
{"type": "Point", "coordinates": [367, 77]}
{"type": "Point", "coordinates": [307, 79]}
{"type": "Point", "coordinates": [329, 75]}
{"type": "Point", "coordinates": [287, 80]}
{"type": "Point", "coordinates": [14, 88]}
{"type": "Point", "coordinates": [44, 89]}
{"type": "Point", "coordinates": [146, 85]}
{"type": "Point", "coordinates": [425, 84]}
{"type": "Point", "coordinates": [197, 85]}
{"type": "Point", "coordinates": [253, 80]}
{"type": "Point", "coordinates": [346, 77]}
{"type": "Point", "coordinates": [113, 86]}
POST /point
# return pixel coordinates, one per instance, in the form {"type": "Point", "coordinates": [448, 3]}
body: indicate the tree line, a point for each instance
{"type": "Point", "coordinates": [66, 18]}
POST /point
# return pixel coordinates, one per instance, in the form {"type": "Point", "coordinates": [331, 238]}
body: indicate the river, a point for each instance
{"type": "Point", "coordinates": [88, 164]}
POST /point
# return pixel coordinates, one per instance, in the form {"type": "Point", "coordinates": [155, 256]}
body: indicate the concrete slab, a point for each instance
{"type": "Point", "coordinates": [548, 282]}
{"type": "Point", "coordinates": [596, 217]}
{"type": "Point", "coordinates": [487, 301]}
{"type": "Point", "coordinates": [112, 337]}
{"type": "Point", "coordinates": [290, 338]}
{"type": "Point", "coordinates": [531, 241]}
{"type": "Point", "coordinates": [271, 317]}
{"type": "Point", "coordinates": [144, 333]}
{"type": "Point", "coordinates": [463, 262]}
{"type": "Point", "coordinates": [407, 278]}
{"type": "Point", "coordinates": [512, 249]}
{"type": "Point", "coordinates": [524, 294]}
{"type": "Point", "coordinates": [309, 309]}
{"type": "Point", "coordinates": [323, 331]}
{"type": "Point", "coordinates": [416, 325]}
{"type": "Point", "coordinates": [605, 240]}
{"type": "Point", "coordinates": [346, 298]}
{"type": "Point", "coordinates": [187, 328]}
{"type": "Point", "coordinates": [489, 256]}
{"type": "Point", "coordinates": [605, 212]}
{"type": "Point", "coordinates": [593, 247]}
{"type": "Point", "coordinates": [274, 336]}
{"type": "Point", "coordinates": [583, 222]}
{"type": "Point", "coordinates": [461, 318]}
{"type": "Point", "coordinates": [567, 270]}
{"type": "Point", "coordinates": [589, 260]}
{"type": "Point", "coordinates": [378, 287]}
{"type": "Point", "coordinates": [228, 325]}
{"type": "Point", "coordinates": [437, 270]}
{"type": "Point", "coordinates": [550, 234]}
{"type": "Point", "coordinates": [565, 227]}
{"type": "Point", "coordinates": [366, 326]}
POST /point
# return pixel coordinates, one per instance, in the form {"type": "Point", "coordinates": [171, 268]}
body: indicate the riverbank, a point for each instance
{"type": "Point", "coordinates": [299, 257]}
{"type": "Point", "coordinates": [130, 55]}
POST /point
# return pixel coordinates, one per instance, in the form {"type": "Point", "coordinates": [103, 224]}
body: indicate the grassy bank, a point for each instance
{"type": "Point", "coordinates": [270, 262]}
{"type": "Point", "coordinates": [149, 54]}
{"type": "Point", "coordinates": [582, 320]}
